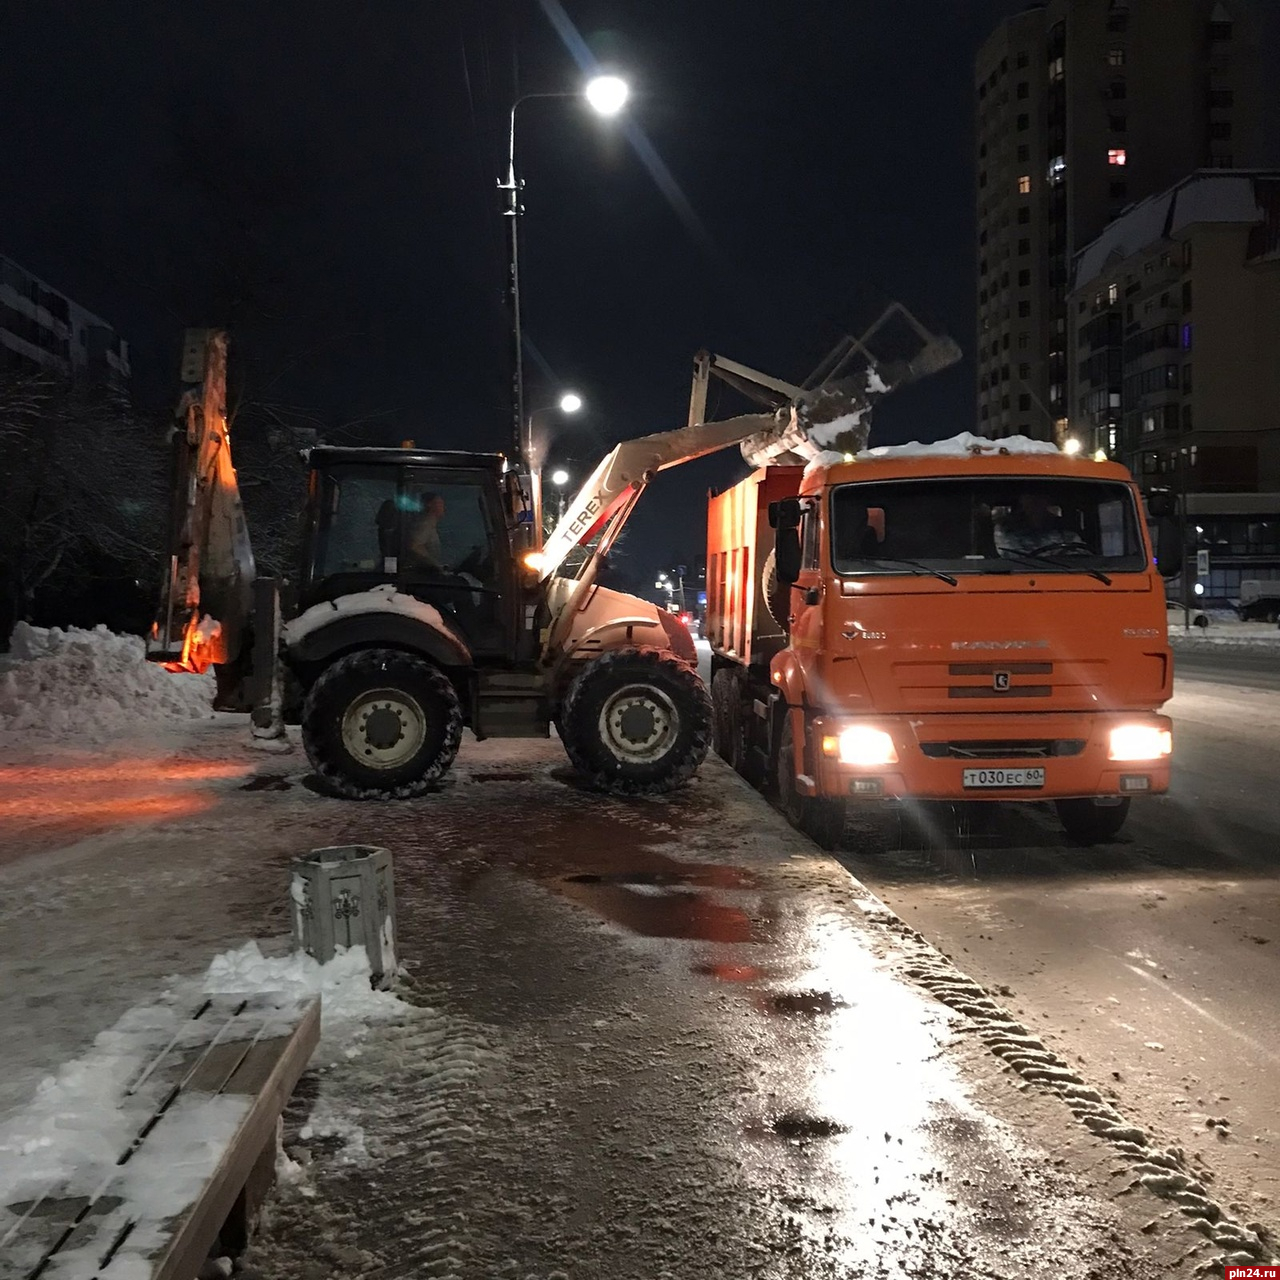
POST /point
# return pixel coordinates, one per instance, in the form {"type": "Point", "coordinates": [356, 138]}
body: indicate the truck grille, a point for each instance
{"type": "Point", "coordinates": [1004, 749]}
{"type": "Point", "coordinates": [987, 671]}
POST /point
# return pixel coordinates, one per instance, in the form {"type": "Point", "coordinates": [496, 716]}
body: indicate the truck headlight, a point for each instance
{"type": "Point", "coordinates": [1140, 742]}
{"type": "Point", "coordinates": [861, 744]}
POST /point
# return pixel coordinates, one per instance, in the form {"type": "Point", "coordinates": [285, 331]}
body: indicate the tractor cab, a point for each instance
{"type": "Point", "coordinates": [432, 524]}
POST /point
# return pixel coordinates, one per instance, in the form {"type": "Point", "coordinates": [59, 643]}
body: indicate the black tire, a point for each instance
{"type": "Point", "coordinates": [724, 697]}
{"type": "Point", "coordinates": [367, 747]}
{"type": "Point", "coordinates": [777, 595]}
{"type": "Point", "coordinates": [1087, 822]}
{"type": "Point", "coordinates": [636, 722]}
{"type": "Point", "coordinates": [821, 818]}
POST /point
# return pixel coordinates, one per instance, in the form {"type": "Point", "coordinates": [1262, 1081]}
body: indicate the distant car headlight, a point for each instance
{"type": "Point", "coordinates": [861, 744]}
{"type": "Point", "coordinates": [1140, 742]}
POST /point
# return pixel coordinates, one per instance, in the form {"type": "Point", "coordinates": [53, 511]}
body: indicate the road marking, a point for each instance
{"type": "Point", "coordinates": [1204, 1013]}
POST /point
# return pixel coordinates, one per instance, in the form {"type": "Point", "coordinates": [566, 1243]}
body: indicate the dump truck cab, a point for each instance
{"type": "Point", "coordinates": [970, 621]}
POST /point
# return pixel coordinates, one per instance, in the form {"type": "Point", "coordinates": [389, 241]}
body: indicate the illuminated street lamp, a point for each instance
{"type": "Point", "coordinates": [1071, 446]}
{"type": "Point", "coordinates": [606, 95]}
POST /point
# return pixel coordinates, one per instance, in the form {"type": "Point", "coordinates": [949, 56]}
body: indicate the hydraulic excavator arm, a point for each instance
{"type": "Point", "coordinates": [207, 598]}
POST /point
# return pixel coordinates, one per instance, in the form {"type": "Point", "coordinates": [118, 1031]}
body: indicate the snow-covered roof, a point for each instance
{"type": "Point", "coordinates": [1208, 195]}
{"type": "Point", "coordinates": [965, 445]}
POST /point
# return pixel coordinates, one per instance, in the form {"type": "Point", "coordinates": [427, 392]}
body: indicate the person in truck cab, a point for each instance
{"type": "Point", "coordinates": [1034, 525]}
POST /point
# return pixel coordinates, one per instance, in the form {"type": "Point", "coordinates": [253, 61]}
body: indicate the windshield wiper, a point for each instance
{"type": "Point", "coordinates": [1047, 557]}
{"type": "Point", "coordinates": [914, 564]}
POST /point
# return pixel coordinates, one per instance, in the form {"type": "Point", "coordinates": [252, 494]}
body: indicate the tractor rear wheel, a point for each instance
{"type": "Point", "coordinates": [381, 724]}
{"type": "Point", "coordinates": [636, 722]}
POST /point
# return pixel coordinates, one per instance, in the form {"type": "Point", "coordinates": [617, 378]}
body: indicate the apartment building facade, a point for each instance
{"type": "Point", "coordinates": [41, 329]}
{"type": "Point", "coordinates": [1083, 108]}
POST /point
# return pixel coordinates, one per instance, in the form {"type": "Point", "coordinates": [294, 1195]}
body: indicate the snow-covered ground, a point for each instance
{"type": "Point", "coordinates": [1224, 630]}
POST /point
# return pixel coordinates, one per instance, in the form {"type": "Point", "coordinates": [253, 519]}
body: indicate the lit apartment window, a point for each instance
{"type": "Point", "coordinates": [1024, 185]}
{"type": "Point", "coordinates": [1115, 57]}
{"type": "Point", "coordinates": [1113, 292]}
{"type": "Point", "coordinates": [1056, 69]}
{"type": "Point", "coordinates": [1057, 168]}
{"type": "Point", "coordinates": [1117, 155]}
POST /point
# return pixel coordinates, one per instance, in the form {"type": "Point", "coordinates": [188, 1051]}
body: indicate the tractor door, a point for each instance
{"type": "Point", "coordinates": [453, 553]}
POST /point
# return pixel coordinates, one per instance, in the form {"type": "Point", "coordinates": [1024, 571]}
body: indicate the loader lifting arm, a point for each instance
{"type": "Point", "coordinates": [830, 412]}
{"type": "Point", "coordinates": [207, 598]}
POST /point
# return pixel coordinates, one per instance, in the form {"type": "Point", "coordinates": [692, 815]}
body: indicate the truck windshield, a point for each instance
{"type": "Point", "coordinates": [986, 524]}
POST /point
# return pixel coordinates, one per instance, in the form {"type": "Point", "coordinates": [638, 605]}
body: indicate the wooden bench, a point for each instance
{"type": "Point", "coordinates": [199, 1121]}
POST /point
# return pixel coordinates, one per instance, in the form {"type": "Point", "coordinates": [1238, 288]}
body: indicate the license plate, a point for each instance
{"type": "Point", "coordinates": [1004, 777]}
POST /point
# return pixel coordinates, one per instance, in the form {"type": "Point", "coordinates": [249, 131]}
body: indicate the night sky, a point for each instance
{"type": "Point", "coordinates": [325, 186]}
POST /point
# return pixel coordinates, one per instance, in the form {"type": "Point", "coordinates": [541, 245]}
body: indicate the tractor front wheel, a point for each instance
{"type": "Point", "coordinates": [636, 722]}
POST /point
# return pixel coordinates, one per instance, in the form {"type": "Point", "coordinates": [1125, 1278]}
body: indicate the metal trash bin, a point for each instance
{"type": "Point", "coordinates": [343, 896]}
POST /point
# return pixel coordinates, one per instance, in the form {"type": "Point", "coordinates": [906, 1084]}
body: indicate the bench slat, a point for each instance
{"type": "Point", "coordinates": [195, 1233]}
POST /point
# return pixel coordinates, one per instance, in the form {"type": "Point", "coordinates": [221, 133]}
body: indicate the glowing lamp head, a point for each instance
{"type": "Point", "coordinates": [1071, 446]}
{"type": "Point", "coordinates": [861, 744]}
{"type": "Point", "coordinates": [559, 477]}
{"type": "Point", "coordinates": [533, 561]}
{"type": "Point", "coordinates": [570, 402]}
{"type": "Point", "coordinates": [607, 94]}
{"type": "Point", "coordinates": [1140, 742]}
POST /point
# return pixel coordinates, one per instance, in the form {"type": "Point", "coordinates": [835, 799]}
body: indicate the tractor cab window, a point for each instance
{"type": "Point", "coordinates": [350, 536]}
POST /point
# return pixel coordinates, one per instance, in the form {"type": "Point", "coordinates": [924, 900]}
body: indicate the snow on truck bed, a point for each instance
{"type": "Point", "coordinates": [90, 687]}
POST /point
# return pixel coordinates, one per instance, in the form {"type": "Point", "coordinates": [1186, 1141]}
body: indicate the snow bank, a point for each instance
{"type": "Point", "coordinates": [343, 984]}
{"type": "Point", "coordinates": [91, 686]}
{"type": "Point", "coordinates": [965, 445]}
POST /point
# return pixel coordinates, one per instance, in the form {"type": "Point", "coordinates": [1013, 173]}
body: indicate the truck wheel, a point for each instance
{"type": "Point", "coordinates": [636, 722]}
{"type": "Point", "coordinates": [821, 818]}
{"type": "Point", "coordinates": [380, 724]}
{"type": "Point", "coordinates": [1088, 822]}
{"type": "Point", "coordinates": [777, 596]}
{"type": "Point", "coordinates": [726, 719]}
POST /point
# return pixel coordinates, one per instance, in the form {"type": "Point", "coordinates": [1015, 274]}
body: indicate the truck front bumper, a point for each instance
{"type": "Point", "coordinates": [1025, 756]}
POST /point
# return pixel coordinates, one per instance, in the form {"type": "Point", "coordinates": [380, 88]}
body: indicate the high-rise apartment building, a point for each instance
{"type": "Point", "coordinates": [1083, 108]}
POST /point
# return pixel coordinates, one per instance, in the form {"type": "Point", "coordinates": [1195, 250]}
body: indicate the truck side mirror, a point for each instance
{"type": "Point", "coordinates": [786, 554]}
{"type": "Point", "coordinates": [1169, 549]}
{"type": "Point", "coordinates": [1160, 503]}
{"type": "Point", "coordinates": [784, 514]}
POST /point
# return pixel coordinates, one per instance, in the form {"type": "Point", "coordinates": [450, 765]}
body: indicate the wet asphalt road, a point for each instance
{"type": "Point", "coordinates": [1156, 957]}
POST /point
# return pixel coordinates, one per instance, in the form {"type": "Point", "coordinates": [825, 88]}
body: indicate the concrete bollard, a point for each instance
{"type": "Point", "coordinates": [344, 896]}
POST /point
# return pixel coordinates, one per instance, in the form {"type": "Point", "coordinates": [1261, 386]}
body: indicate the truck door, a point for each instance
{"type": "Point", "coordinates": [806, 595]}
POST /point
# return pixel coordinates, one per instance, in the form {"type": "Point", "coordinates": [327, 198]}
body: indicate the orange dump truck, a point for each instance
{"type": "Point", "coordinates": [965, 621]}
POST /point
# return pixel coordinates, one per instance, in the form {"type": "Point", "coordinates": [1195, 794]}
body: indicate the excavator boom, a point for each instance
{"type": "Point", "coordinates": [207, 598]}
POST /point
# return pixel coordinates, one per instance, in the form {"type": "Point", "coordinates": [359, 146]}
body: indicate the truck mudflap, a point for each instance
{"type": "Point", "coordinates": [1029, 757]}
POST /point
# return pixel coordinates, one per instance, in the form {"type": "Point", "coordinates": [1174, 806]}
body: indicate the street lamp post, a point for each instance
{"type": "Point", "coordinates": [607, 95]}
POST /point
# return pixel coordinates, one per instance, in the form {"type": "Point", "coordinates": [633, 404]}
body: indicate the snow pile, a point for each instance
{"type": "Point", "coordinates": [965, 445]}
{"type": "Point", "coordinates": [347, 998]}
{"type": "Point", "coordinates": [92, 686]}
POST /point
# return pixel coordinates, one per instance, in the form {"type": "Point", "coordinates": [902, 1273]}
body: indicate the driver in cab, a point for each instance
{"type": "Point", "coordinates": [1034, 526]}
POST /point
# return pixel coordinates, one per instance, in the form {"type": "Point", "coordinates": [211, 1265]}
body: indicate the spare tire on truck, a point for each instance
{"type": "Point", "coordinates": [777, 595]}
{"type": "Point", "coordinates": [636, 722]}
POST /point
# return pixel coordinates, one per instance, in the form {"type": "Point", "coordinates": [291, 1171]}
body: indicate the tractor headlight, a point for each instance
{"type": "Point", "coordinates": [1140, 742]}
{"type": "Point", "coordinates": [861, 744]}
